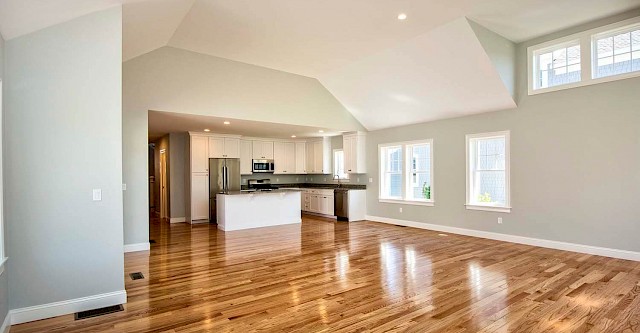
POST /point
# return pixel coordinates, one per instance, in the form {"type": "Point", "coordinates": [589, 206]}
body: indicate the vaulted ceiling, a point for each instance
{"type": "Point", "coordinates": [372, 62]}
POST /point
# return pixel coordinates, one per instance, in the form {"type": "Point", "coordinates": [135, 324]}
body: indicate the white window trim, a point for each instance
{"type": "Point", "coordinates": [333, 157]}
{"type": "Point", "coordinates": [403, 145]}
{"type": "Point", "coordinates": [506, 208]}
{"type": "Point", "coordinates": [586, 39]}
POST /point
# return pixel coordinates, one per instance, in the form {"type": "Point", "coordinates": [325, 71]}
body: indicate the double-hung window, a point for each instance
{"type": "Point", "coordinates": [406, 172]}
{"type": "Point", "coordinates": [338, 165]}
{"type": "Point", "coordinates": [488, 182]}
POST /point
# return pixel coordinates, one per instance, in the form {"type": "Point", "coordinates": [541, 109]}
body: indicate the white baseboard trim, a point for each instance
{"type": "Point", "coordinates": [177, 219]}
{"type": "Point", "coordinates": [32, 313]}
{"type": "Point", "coordinates": [580, 248]}
{"type": "Point", "coordinates": [6, 323]}
{"type": "Point", "coordinates": [137, 247]}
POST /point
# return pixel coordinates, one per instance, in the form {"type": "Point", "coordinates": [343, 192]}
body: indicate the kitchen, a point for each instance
{"type": "Point", "coordinates": [242, 181]}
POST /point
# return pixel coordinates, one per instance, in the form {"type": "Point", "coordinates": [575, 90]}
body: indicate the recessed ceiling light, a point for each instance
{"type": "Point", "coordinates": [227, 123]}
{"type": "Point", "coordinates": [293, 136]}
{"type": "Point", "coordinates": [207, 130]}
{"type": "Point", "coordinates": [402, 16]}
{"type": "Point", "coordinates": [321, 131]}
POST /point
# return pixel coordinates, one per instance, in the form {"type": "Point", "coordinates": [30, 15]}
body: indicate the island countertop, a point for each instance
{"type": "Point", "coordinates": [278, 191]}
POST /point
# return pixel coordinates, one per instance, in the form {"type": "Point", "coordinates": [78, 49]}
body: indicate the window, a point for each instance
{"type": "Point", "coordinates": [406, 172]}
{"type": "Point", "coordinates": [488, 185]}
{"type": "Point", "coordinates": [616, 52]}
{"type": "Point", "coordinates": [338, 165]}
{"type": "Point", "coordinates": [599, 55]}
{"type": "Point", "coordinates": [557, 65]}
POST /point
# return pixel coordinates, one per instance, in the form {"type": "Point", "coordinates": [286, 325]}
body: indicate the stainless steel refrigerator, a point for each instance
{"type": "Point", "coordinates": [224, 176]}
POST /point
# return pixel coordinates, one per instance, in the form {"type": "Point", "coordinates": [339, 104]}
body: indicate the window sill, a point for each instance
{"type": "Point", "coordinates": [408, 202]}
{"type": "Point", "coordinates": [489, 208]}
{"type": "Point", "coordinates": [2, 262]}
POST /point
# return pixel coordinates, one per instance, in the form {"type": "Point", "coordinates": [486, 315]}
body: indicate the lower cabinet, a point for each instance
{"type": "Point", "coordinates": [199, 196]}
{"type": "Point", "coordinates": [318, 201]}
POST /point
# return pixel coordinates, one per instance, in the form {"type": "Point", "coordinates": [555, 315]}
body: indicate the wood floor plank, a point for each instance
{"type": "Point", "coordinates": [328, 276]}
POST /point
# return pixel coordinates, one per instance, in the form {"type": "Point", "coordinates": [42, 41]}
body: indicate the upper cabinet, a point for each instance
{"type": "Point", "coordinates": [262, 150]}
{"type": "Point", "coordinates": [199, 154]}
{"type": "Point", "coordinates": [284, 157]}
{"type": "Point", "coordinates": [222, 147]}
{"type": "Point", "coordinates": [301, 158]}
{"type": "Point", "coordinates": [246, 152]}
{"type": "Point", "coordinates": [354, 147]}
{"type": "Point", "coordinates": [319, 156]}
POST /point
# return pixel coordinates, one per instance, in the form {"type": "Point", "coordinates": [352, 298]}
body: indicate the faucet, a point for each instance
{"type": "Point", "coordinates": [337, 177]}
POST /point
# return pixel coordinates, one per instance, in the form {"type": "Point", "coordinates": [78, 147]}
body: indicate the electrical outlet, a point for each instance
{"type": "Point", "coordinates": [400, 209]}
{"type": "Point", "coordinates": [358, 179]}
{"type": "Point", "coordinates": [499, 220]}
{"type": "Point", "coordinates": [325, 179]}
{"type": "Point", "coordinates": [297, 179]}
{"type": "Point", "coordinates": [124, 187]}
{"type": "Point", "coordinates": [370, 180]}
{"type": "Point", "coordinates": [97, 194]}
{"type": "Point", "coordinates": [277, 180]}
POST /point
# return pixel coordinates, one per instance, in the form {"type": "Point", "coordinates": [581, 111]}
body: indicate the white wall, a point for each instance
{"type": "Point", "coordinates": [575, 161]}
{"type": "Point", "coordinates": [4, 285]}
{"type": "Point", "coordinates": [63, 138]}
{"type": "Point", "coordinates": [170, 79]}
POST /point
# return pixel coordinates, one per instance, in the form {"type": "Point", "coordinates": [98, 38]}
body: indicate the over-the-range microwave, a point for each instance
{"type": "Point", "coordinates": [265, 166]}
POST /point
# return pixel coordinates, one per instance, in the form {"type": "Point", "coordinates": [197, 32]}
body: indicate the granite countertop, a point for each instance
{"type": "Point", "coordinates": [318, 186]}
{"type": "Point", "coordinates": [278, 191]}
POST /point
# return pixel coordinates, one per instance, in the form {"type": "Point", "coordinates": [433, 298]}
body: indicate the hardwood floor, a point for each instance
{"type": "Point", "coordinates": [325, 276]}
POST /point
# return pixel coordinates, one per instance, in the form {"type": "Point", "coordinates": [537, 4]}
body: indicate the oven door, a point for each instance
{"type": "Point", "coordinates": [263, 166]}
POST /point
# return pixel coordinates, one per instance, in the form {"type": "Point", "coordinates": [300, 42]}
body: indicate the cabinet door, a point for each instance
{"type": "Point", "coordinates": [289, 157]}
{"type": "Point", "coordinates": [323, 205]}
{"type": "Point", "coordinates": [231, 148]}
{"type": "Point", "coordinates": [318, 157]}
{"type": "Point", "coordinates": [329, 205]}
{"type": "Point", "coordinates": [199, 196]}
{"type": "Point", "coordinates": [348, 153]}
{"type": "Point", "coordinates": [256, 152]}
{"type": "Point", "coordinates": [199, 154]}
{"type": "Point", "coordinates": [279, 158]}
{"type": "Point", "coordinates": [216, 147]}
{"type": "Point", "coordinates": [301, 158]}
{"type": "Point", "coordinates": [314, 203]}
{"type": "Point", "coordinates": [246, 149]}
{"type": "Point", "coordinates": [310, 164]}
{"type": "Point", "coordinates": [267, 149]}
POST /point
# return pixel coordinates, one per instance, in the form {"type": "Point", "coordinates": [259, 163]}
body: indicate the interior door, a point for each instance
{"type": "Point", "coordinates": [163, 185]}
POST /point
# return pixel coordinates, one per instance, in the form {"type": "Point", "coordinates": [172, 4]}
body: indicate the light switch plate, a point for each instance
{"type": "Point", "coordinates": [124, 187]}
{"type": "Point", "coordinates": [97, 194]}
{"type": "Point", "coordinates": [370, 180]}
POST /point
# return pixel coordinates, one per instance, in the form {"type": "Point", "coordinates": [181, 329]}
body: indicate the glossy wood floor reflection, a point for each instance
{"type": "Point", "coordinates": [325, 276]}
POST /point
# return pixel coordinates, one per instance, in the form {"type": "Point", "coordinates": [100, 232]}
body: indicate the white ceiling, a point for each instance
{"type": "Point", "coordinates": [161, 123]}
{"type": "Point", "coordinates": [382, 69]}
{"type": "Point", "coordinates": [444, 73]}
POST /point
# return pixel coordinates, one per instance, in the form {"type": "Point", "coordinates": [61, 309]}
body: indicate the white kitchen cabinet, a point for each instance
{"type": "Point", "coordinates": [318, 201]}
{"type": "Point", "coordinates": [199, 154]}
{"type": "Point", "coordinates": [262, 150]}
{"type": "Point", "coordinates": [314, 203]}
{"type": "Point", "coordinates": [231, 148]}
{"type": "Point", "coordinates": [246, 165]}
{"type": "Point", "coordinates": [199, 196]}
{"type": "Point", "coordinates": [301, 158]}
{"type": "Point", "coordinates": [354, 148]}
{"type": "Point", "coordinates": [220, 147]}
{"type": "Point", "coordinates": [319, 156]}
{"type": "Point", "coordinates": [284, 157]}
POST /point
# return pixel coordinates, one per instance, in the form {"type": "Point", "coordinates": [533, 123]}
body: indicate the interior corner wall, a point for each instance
{"type": "Point", "coordinates": [501, 52]}
{"type": "Point", "coordinates": [177, 157]}
{"type": "Point", "coordinates": [63, 138]}
{"type": "Point", "coordinates": [4, 284]}
{"type": "Point", "coordinates": [574, 163]}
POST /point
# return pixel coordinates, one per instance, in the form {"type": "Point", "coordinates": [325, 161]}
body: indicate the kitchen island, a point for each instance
{"type": "Point", "coordinates": [240, 210]}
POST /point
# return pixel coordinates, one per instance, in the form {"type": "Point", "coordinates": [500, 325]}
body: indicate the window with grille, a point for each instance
{"type": "Point", "coordinates": [616, 52]}
{"type": "Point", "coordinates": [557, 65]}
{"type": "Point", "coordinates": [488, 171]}
{"type": "Point", "coordinates": [338, 165]}
{"type": "Point", "coordinates": [406, 172]}
{"type": "Point", "coordinates": [603, 54]}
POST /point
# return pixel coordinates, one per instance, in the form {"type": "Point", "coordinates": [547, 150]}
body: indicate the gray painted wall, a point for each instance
{"type": "Point", "coordinates": [4, 285]}
{"type": "Point", "coordinates": [170, 79]}
{"type": "Point", "coordinates": [502, 53]}
{"type": "Point", "coordinates": [63, 138]}
{"type": "Point", "coordinates": [177, 158]}
{"type": "Point", "coordinates": [575, 161]}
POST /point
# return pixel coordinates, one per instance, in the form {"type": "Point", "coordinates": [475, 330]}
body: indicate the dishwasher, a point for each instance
{"type": "Point", "coordinates": [341, 204]}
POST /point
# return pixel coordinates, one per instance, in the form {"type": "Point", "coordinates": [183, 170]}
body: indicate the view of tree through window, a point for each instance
{"type": "Point", "coordinates": [488, 170]}
{"type": "Point", "coordinates": [406, 171]}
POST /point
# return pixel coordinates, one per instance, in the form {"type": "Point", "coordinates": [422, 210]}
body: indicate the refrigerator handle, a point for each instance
{"type": "Point", "coordinates": [225, 181]}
